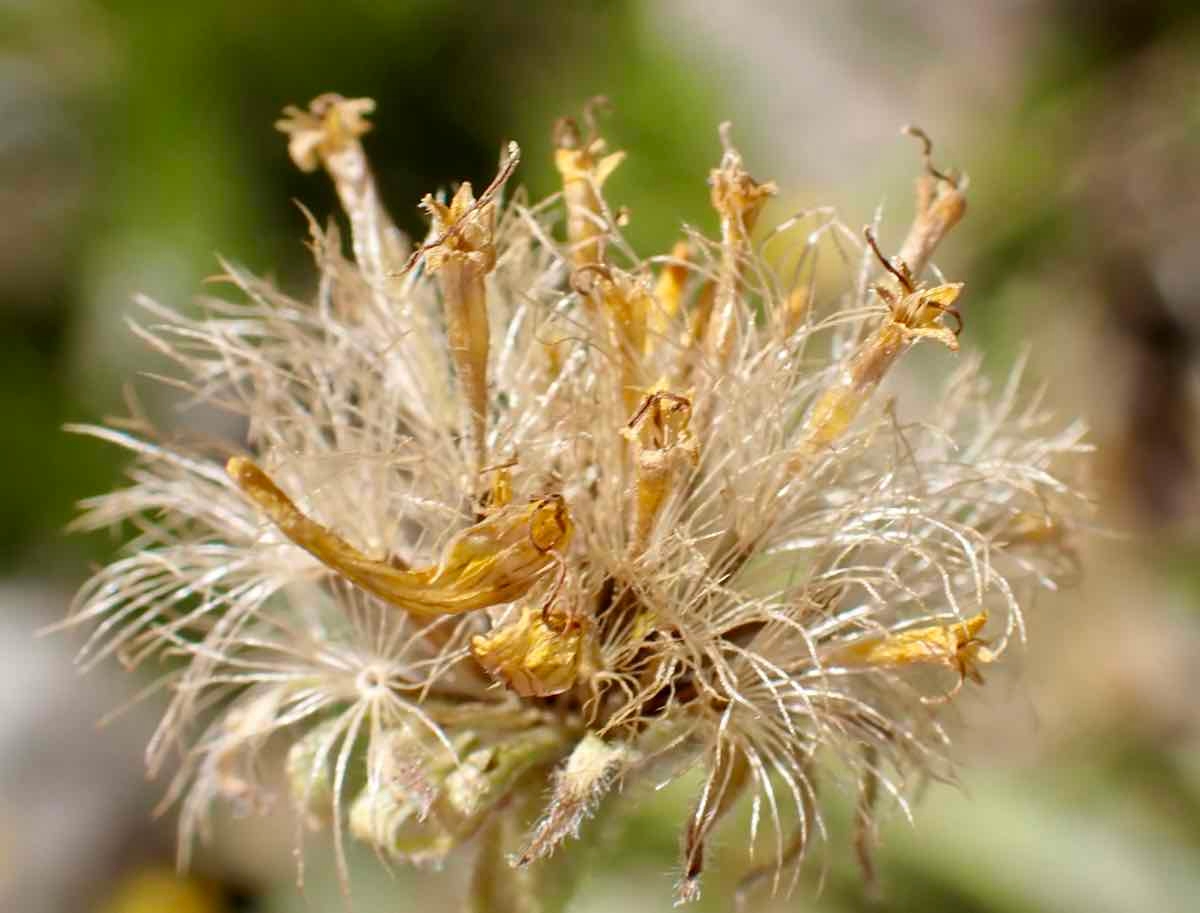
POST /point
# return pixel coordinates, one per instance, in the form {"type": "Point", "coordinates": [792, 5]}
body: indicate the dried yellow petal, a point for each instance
{"type": "Point", "coordinates": [956, 645]}
{"type": "Point", "coordinates": [919, 311]}
{"type": "Point", "coordinates": [493, 562]}
{"type": "Point", "coordinates": [913, 313]}
{"type": "Point", "coordinates": [941, 204]}
{"type": "Point", "coordinates": [944, 206]}
{"type": "Point", "coordinates": [537, 655]}
{"type": "Point", "coordinates": [327, 135]}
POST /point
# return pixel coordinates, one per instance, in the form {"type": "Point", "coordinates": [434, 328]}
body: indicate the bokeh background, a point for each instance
{"type": "Point", "coordinates": [136, 143]}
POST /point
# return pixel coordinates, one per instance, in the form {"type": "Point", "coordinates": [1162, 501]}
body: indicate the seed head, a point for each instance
{"type": "Point", "coordinates": [518, 517]}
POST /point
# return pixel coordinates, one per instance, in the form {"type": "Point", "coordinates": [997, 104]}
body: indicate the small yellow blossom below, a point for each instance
{"type": "Point", "coordinates": [537, 655]}
{"type": "Point", "coordinates": [955, 645]}
{"type": "Point", "coordinates": [495, 561]}
{"type": "Point", "coordinates": [325, 128]}
{"type": "Point", "coordinates": [152, 890]}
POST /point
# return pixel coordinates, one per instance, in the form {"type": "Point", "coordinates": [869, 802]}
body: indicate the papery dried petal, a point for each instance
{"type": "Point", "coordinates": [495, 561]}
{"type": "Point", "coordinates": [537, 655]}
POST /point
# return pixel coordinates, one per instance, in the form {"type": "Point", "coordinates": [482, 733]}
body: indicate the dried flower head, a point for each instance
{"type": "Point", "coordinates": [520, 515]}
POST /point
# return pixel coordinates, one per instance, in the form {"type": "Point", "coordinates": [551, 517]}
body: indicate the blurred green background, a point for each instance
{"type": "Point", "coordinates": [136, 142]}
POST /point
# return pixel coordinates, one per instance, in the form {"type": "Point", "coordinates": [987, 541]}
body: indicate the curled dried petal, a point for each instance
{"type": "Point", "coordinates": [537, 655]}
{"type": "Point", "coordinates": [495, 561]}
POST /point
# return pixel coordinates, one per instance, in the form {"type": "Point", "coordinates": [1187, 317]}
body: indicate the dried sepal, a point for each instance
{"type": "Point", "coordinates": [384, 819]}
{"type": "Point", "coordinates": [394, 817]}
{"type": "Point", "coordinates": [579, 786]}
{"type": "Point", "coordinates": [487, 775]}
{"type": "Point", "coordinates": [729, 774]}
{"type": "Point", "coordinates": [468, 780]}
{"type": "Point", "coordinates": [407, 759]}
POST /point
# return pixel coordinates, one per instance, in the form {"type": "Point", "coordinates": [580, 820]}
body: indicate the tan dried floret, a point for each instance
{"type": "Point", "coordinates": [664, 447]}
{"type": "Point", "coordinates": [329, 125]}
{"type": "Point", "coordinates": [584, 164]}
{"type": "Point", "coordinates": [738, 200]}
